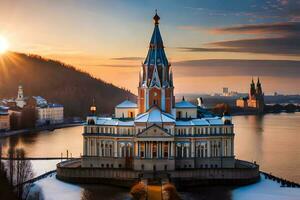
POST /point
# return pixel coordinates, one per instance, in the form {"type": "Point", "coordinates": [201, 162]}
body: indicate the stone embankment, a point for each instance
{"type": "Point", "coordinates": [244, 173]}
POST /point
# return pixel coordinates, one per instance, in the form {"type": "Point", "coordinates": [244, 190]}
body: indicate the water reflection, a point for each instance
{"type": "Point", "coordinates": [272, 140]}
{"type": "Point", "coordinates": [47, 143]}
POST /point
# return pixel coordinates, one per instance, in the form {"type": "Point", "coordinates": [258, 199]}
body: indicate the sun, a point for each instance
{"type": "Point", "coordinates": [3, 44]}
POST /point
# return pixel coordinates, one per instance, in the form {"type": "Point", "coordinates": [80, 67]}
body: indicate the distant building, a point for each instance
{"type": "Point", "coordinates": [255, 98]}
{"type": "Point", "coordinates": [20, 100]}
{"type": "Point", "coordinates": [26, 111]}
{"type": "Point", "coordinates": [4, 119]}
{"type": "Point", "coordinates": [225, 91]}
{"type": "Point", "coordinates": [50, 114]}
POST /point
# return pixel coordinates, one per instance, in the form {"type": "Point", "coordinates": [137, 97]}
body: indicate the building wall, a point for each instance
{"type": "Point", "coordinates": [141, 100]}
{"type": "Point", "coordinates": [4, 122]}
{"type": "Point", "coordinates": [241, 103]}
{"type": "Point", "coordinates": [52, 115]}
{"type": "Point", "coordinates": [186, 112]}
{"type": "Point", "coordinates": [155, 97]}
{"type": "Point", "coordinates": [125, 112]}
{"type": "Point", "coordinates": [194, 147]}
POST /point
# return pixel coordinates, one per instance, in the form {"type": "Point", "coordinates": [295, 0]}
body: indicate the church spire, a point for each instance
{"type": "Point", "coordinates": [156, 86]}
{"type": "Point", "coordinates": [156, 65]}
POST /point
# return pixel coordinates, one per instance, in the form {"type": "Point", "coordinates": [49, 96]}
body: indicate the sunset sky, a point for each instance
{"type": "Point", "coordinates": [210, 43]}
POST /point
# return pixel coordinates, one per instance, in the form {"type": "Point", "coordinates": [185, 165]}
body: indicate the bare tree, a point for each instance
{"type": "Point", "coordinates": [11, 165]}
{"type": "Point", "coordinates": [23, 173]}
{"type": "Point", "coordinates": [19, 171]}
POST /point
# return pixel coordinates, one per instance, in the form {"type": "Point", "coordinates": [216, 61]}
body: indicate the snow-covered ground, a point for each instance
{"type": "Point", "coordinates": [52, 189]}
{"type": "Point", "coordinates": [42, 166]}
{"type": "Point", "coordinates": [265, 190]}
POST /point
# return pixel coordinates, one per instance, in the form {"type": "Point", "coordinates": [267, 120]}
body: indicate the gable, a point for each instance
{"type": "Point", "coordinates": [154, 131]}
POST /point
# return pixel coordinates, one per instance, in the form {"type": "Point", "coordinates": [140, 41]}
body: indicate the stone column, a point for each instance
{"type": "Point", "coordinates": [84, 147]}
{"type": "Point", "coordinates": [159, 149]}
{"type": "Point", "coordinates": [146, 149]}
{"type": "Point", "coordinates": [193, 149]}
{"type": "Point", "coordinates": [136, 154]}
{"type": "Point", "coordinates": [188, 151]}
{"type": "Point", "coordinates": [90, 147]}
{"type": "Point", "coordinates": [172, 149]}
{"type": "Point", "coordinates": [115, 149]}
{"type": "Point", "coordinates": [208, 148]}
{"type": "Point", "coordinates": [151, 150]}
{"type": "Point", "coordinates": [87, 146]}
{"type": "Point", "coordinates": [232, 145]}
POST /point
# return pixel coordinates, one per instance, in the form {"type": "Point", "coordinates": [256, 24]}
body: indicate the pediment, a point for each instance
{"type": "Point", "coordinates": [154, 131]}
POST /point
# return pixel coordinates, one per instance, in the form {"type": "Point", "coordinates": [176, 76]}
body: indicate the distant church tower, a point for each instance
{"type": "Point", "coordinates": [156, 79]}
{"type": "Point", "coordinates": [20, 97]}
{"type": "Point", "coordinates": [255, 98]}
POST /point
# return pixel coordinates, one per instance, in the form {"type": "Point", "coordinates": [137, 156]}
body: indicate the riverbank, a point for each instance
{"type": "Point", "coordinates": [246, 113]}
{"type": "Point", "coordinates": [38, 129]}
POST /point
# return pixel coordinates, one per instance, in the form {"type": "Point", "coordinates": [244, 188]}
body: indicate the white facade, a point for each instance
{"type": "Point", "coordinates": [157, 141]}
{"type": "Point", "coordinates": [126, 109]}
{"type": "Point", "coordinates": [50, 114]}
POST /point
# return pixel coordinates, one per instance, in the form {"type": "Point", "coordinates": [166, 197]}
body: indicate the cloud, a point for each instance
{"type": "Point", "coordinates": [114, 65]}
{"type": "Point", "coordinates": [238, 67]}
{"type": "Point", "coordinates": [287, 28]}
{"type": "Point", "coordinates": [128, 58]}
{"type": "Point", "coordinates": [274, 38]}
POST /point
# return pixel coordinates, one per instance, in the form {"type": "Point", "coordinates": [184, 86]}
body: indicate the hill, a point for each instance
{"type": "Point", "coordinates": [58, 83]}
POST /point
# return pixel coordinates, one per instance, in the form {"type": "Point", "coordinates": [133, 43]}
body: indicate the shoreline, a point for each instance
{"type": "Point", "coordinates": [260, 114]}
{"type": "Point", "coordinates": [37, 129]}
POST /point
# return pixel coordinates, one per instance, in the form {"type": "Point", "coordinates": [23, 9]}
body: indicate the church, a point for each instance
{"type": "Point", "coordinates": [255, 100]}
{"type": "Point", "coordinates": [157, 133]}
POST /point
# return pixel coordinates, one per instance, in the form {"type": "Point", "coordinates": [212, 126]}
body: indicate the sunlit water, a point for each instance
{"type": "Point", "coordinates": [272, 141]}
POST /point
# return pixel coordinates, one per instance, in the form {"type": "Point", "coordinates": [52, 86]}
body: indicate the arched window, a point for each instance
{"type": "Point", "coordinates": [98, 148]}
{"type": "Point", "coordinates": [178, 151]}
{"type": "Point", "coordinates": [110, 150]}
{"type": "Point", "coordinates": [185, 152]}
{"type": "Point", "coordinates": [91, 122]}
{"type": "Point", "coordinates": [102, 150]}
{"type": "Point", "coordinates": [166, 150]}
{"type": "Point", "coordinates": [142, 150]}
{"type": "Point", "coordinates": [106, 150]}
{"type": "Point", "coordinates": [154, 150]}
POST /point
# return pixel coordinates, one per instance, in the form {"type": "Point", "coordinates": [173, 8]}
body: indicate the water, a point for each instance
{"type": "Point", "coordinates": [272, 141]}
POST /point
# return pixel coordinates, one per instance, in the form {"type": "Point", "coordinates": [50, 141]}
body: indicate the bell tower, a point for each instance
{"type": "Point", "coordinates": [156, 78]}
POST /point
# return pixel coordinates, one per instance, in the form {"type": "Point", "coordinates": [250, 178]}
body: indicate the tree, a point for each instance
{"type": "Point", "coordinates": [221, 109]}
{"type": "Point", "coordinates": [23, 173]}
{"type": "Point", "coordinates": [19, 171]}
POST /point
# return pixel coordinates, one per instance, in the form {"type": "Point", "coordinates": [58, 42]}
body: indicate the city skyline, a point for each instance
{"type": "Point", "coordinates": [224, 44]}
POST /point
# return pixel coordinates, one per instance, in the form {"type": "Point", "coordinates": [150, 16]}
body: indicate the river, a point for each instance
{"type": "Point", "coordinates": [272, 140]}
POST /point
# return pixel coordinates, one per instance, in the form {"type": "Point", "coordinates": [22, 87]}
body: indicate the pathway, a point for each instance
{"type": "Point", "coordinates": [154, 192]}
